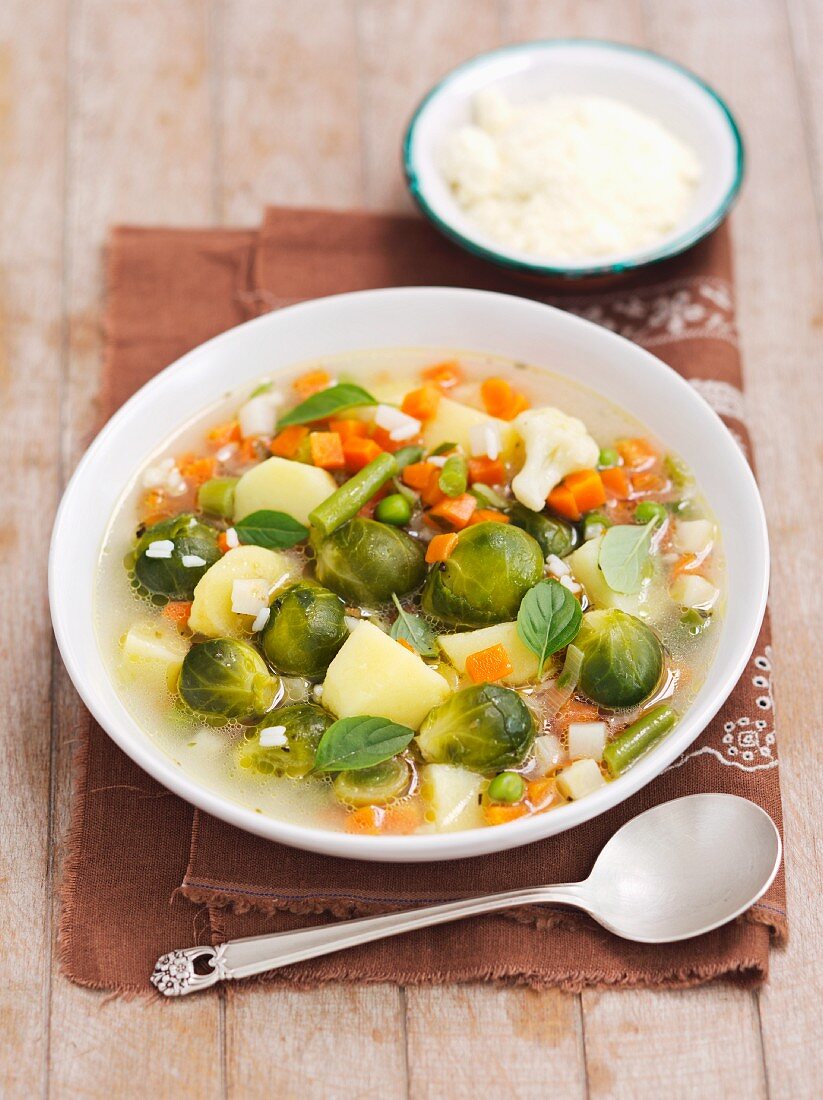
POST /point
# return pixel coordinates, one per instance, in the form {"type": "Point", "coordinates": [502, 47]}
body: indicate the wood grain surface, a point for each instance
{"type": "Point", "coordinates": [201, 112]}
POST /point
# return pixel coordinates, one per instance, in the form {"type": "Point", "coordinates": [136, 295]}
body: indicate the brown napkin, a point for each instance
{"type": "Point", "coordinates": [146, 874]}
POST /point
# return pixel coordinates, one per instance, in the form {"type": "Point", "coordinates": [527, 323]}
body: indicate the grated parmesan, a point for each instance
{"type": "Point", "coordinates": [572, 177]}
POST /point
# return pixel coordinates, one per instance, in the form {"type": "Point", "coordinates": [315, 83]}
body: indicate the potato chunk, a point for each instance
{"type": "Point", "coordinates": [153, 650]}
{"type": "Point", "coordinates": [457, 647]}
{"type": "Point", "coordinates": [579, 779]}
{"type": "Point", "coordinates": [211, 612]}
{"type": "Point", "coordinates": [453, 423]}
{"type": "Point", "coordinates": [452, 797]}
{"type": "Point", "coordinates": [281, 485]}
{"type": "Point", "coordinates": [375, 675]}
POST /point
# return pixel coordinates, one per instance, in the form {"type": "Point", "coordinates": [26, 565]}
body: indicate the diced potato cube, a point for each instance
{"type": "Point", "coordinates": [587, 739]}
{"type": "Point", "coordinates": [452, 797]}
{"type": "Point", "coordinates": [153, 649]}
{"type": "Point", "coordinates": [281, 485]}
{"type": "Point", "coordinates": [579, 779]}
{"type": "Point", "coordinates": [457, 647]}
{"type": "Point", "coordinates": [375, 675]}
{"type": "Point", "coordinates": [211, 612]}
{"type": "Point", "coordinates": [692, 536]}
{"type": "Point", "coordinates": [694, 592]}
{"type": "Point", "coordinates": [453, 422]}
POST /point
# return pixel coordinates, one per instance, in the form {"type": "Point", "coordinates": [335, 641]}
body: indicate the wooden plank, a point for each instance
{"type": "Point", "coordinates": [526, 19]}
{"type": "Point", "coordinates": [287, 106]}
{"type": "Point", "coordinates": [32, 140]}
{"type": "Point", "coordinates": [139, 150]}
{"type": "Point", "coordinates": [806, 26]}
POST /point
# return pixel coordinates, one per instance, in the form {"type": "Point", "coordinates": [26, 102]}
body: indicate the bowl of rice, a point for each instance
{"type": "Point", "coordinates": [573, 159]}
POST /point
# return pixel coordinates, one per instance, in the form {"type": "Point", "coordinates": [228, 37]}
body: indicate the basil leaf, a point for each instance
{"type": "Point", "coordinates": [624, 557]}
{"type": "Point", "coordinates": [549, 618]}
{"type": "Point", "coordinates": [414, 630]}
{"type": "Point", "coordinates": [330, 402]}
{"type": "Point", "coordinates": [275, 530]}
{"type": "Point", "coordinates": [360, 742]}
{"type": "Point", "coordinates": [454, 477]}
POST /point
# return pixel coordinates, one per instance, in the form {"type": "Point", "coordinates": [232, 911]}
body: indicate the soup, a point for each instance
{"type": "Point", "coordinates": [400, 592]}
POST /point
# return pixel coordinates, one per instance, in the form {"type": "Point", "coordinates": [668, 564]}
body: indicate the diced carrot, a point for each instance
{"type": "Point", "coordinates": [359, 453]}
{"type": "Point", "coordinates": [636, 453]}
{"type": "Point", "coordinates": [312, 381]}
{"type": "Point", "coordinates": [562, 501]}
{"type": "Point", "coordinates": [441, 547]}
{"type": "Point", "coordinates": [499, 814]}
{"type": "Point", "coordinates": [488, 515]}
{"type": "Point", "coordinates": [540, 792]}
{"type": "Point", "coordinates": [196, 469]}
{"type": "Point", "coordinates": [223, 543]}
{"type": "Point", "coordinates": [586, 488]}
{"type": "Point", "coordinates": [487, 471]}
{"type": "Point", "coordinates": [385, 442]}
{"type": "Point", "coordinates": [616, 483]}
{"type": "Point", "coordinates": [224, 433]}
{"type": "Point", "coordinates": [453, 512]}
{"type": "Point", "coordinates": [367, 820]}
{"type": "Point", "coordinates": [649, 482]}
{"type": "Point", "coordinates": [445, 375]}
{"type": "Point", "coordinates": [327, 450]}
{"type": "Point", "coordinates": [488, 665]}
{"type": "Point", "coordinates": [421, 404]}
{"type": "Point", "coordinates": [177, 612]}
{"type": "Point", "coordinates": [286, 443]}
{"type": "Point", "coordinates": [406, 645]}
{"type": "Point", "coordinates": [688, 563]}
{"type": "Point", "coordinates": [501, 399]}
{"type": "Point", "coordinates": [349, 428]}
{"type": "Point", "coordinates": [403, 817]}
{"type": "Point", "coordinates": [576, 711]}
{"type": "Point", "coordinates": [155, 506]}
{"type": "Point", "coordinates": [431, 493]}
{"type": "Point", "coordinates": [249, 450]}
{"type": "Point", "coordinates": [416, 475]}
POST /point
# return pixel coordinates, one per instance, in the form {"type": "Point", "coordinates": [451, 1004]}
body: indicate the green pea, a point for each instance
{"type": "Point", "coordinates": [594, 524]}
{"type": "Point", "coordinates": [648, 510]}
{"type": "Point", "coordinates": [507, 787]}
{"type": "Point", "coordinates": [393, 509]}
{"type": "Point", "coordinates": [608, 457]}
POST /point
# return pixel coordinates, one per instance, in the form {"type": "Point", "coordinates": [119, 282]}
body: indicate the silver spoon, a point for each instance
{"type": "Point", "coordinates": [675, 871]}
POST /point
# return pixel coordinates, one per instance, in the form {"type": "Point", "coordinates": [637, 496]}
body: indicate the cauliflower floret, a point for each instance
{"type": "Point", "coordinates": [555, 445]}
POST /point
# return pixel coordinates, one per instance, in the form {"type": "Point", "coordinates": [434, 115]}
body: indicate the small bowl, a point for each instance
{"type": "Point", "coordinates": [533, 71]}
{"type": "Point", "coordinates": [438, 318]}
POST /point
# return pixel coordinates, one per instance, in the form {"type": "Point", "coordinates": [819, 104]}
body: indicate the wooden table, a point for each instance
{"type": "Point", "coordinates": [200, 112]}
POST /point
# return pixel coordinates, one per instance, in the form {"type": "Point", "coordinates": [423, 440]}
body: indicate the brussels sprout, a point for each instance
{"type": "Point", "coordinates": [304, 725]}
{"type": "Point", "coordinates": [622, 659]}
{"type": "Point", "coordinates": [488, 573]}
{"type": "Point", "coordinates": [365, 561]}
{"type": "Point", "coordinates": [485, 728]}
{"type": "Point", "coordinates": [227, 679]}
{"type": "Point", "coordinates": [553, 535]}
{"type": "Point", "coordinates": [176, 575]}
{"type": "Point", "coordinates": [306, 629]}
{"type": "Point", "coordinates": [376, 785]}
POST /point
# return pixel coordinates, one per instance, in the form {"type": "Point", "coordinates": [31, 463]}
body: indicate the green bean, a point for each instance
{"type": "Point", "coordinates": [407, 455]}
{"type": "Point", "coordinates": [638, 737]}
{"type": "Point", "coordinates": [454, 477]}
{"type": "Point", "coordinates": [347, 501]}
{"type": "Point", "coordinates": [216, 496]}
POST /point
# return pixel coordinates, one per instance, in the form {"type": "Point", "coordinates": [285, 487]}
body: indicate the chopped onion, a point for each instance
{"type": "Point", "coordinates": [261, 619]}
{"type": "Point", "coordinates": [398, 424]}
{"type": "Point", "coordinates": [160, 548]}
{"type": "Point", "coordinates": [438, 460]}
{"type": "Point", "coordinates": [548, 753]}
{"type": "Point", "coordinates": [192, 561]}
{"type": "Point", "coordinates": [485, 440]}
{"type": "Point", "coordinates": [258, 416]}
{"type": "Point", "coordinates": [273, 737]}
{"type": "Point", "coordinates": [232, 539]}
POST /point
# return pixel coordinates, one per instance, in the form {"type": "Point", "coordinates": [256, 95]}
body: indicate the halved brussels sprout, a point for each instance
{"type": "Point", "coordinates": [227, 679]}
{"type": "Point", "coordinates": [365, 561]}
{"type": "Point", "coordinates": [622, 659]}
{"type": "Point", "coordinates": [553, 535]}
{"type": "Point", "coordinates": [193, 549]}
{"type": "Point", "coordinates": [485, 728]}
{"type": "Point", "coordinates": [487, 575]}
{"type": "Point", "coordinates": [376, 785]}
{"type": "Point", "coordinates": [306, 629]}
{"type": "Point", "coordinates": [304, 725]}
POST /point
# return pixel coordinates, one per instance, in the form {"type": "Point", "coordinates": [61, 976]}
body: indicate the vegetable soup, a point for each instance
{"type": "Point", "coordinates": [403, 592]}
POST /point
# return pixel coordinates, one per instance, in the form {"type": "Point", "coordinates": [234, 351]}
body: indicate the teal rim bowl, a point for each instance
{"type": "Point", "coordinates": [662, 89]}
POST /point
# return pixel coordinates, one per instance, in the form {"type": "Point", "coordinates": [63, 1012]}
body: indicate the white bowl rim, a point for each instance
{"type": "Point", "coordinates": [633, 261]}
{"type": "Point", "coordinates": [435, 846]}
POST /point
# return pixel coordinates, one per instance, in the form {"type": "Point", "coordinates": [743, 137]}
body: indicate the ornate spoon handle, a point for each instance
{"type": "Point", "coordinates": [195, 968]}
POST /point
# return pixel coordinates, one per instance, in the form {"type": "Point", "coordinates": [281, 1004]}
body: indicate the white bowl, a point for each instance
{"type": "Point", "coordinates": [408, 317]}
{"type": "Point", "coordinates": [533, 71]}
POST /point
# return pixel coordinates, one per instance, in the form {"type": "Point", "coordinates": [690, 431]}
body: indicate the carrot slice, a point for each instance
{"type": "Point", "coordinates": [195, 468]}
{"type": "Point", "coordinates": [498, 814]}
{"type": "Point", "coordinates": [286, 443]}
{"type": "Point", "coordinates": [540, 792]}
{"type": "Point", "coordinates": [431, 492]}
{"type": "Point", "coordinates": [488, 515]}
{"type": "Point", "coordinates": [562, 501]}
{"type": "Point", "coordinates": [616, 483]}
{"type": "Point", "coordinates": [488, 665]}
{"type": "Point", "coordinates": [421, 404]}
{"type": "Point", "coordinates": [416, 475]}
{"type": "Point", "coordinates": [367, 820]}
{"type": "Point", "coordinates": [403, 817]}
{"type": "Point", "coordinates": [441, 547]}
{"type": "Point", "coordinates": [349, 428]}
{"type": "Point", "coordinates": [636, 453]}
{"type": "Point", "coordinates": [223, 543]}
{"type": "Point", "coordinates": [502, 399]}
{"type": "Point", "coordinates": [312, 381]}
{"type": "Point", "coordinates": [487, 471]}
{"type": "Point", "coordinates": [586, 488]}
{"type": "Point", "coordinates": [648, 482]}
{"type": "Point", "coordinates": [359, 453]}
{"type": "Point", "coordinates": [445, 375]}
{"type": "Point", "coordinates": [327, 450]}
{"type": "Point", "coordinates": [224, 433]}
{"type": "Point", "coordinates": [177, 612]}
{"type": "Point", "coordinates": [453, 512]}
